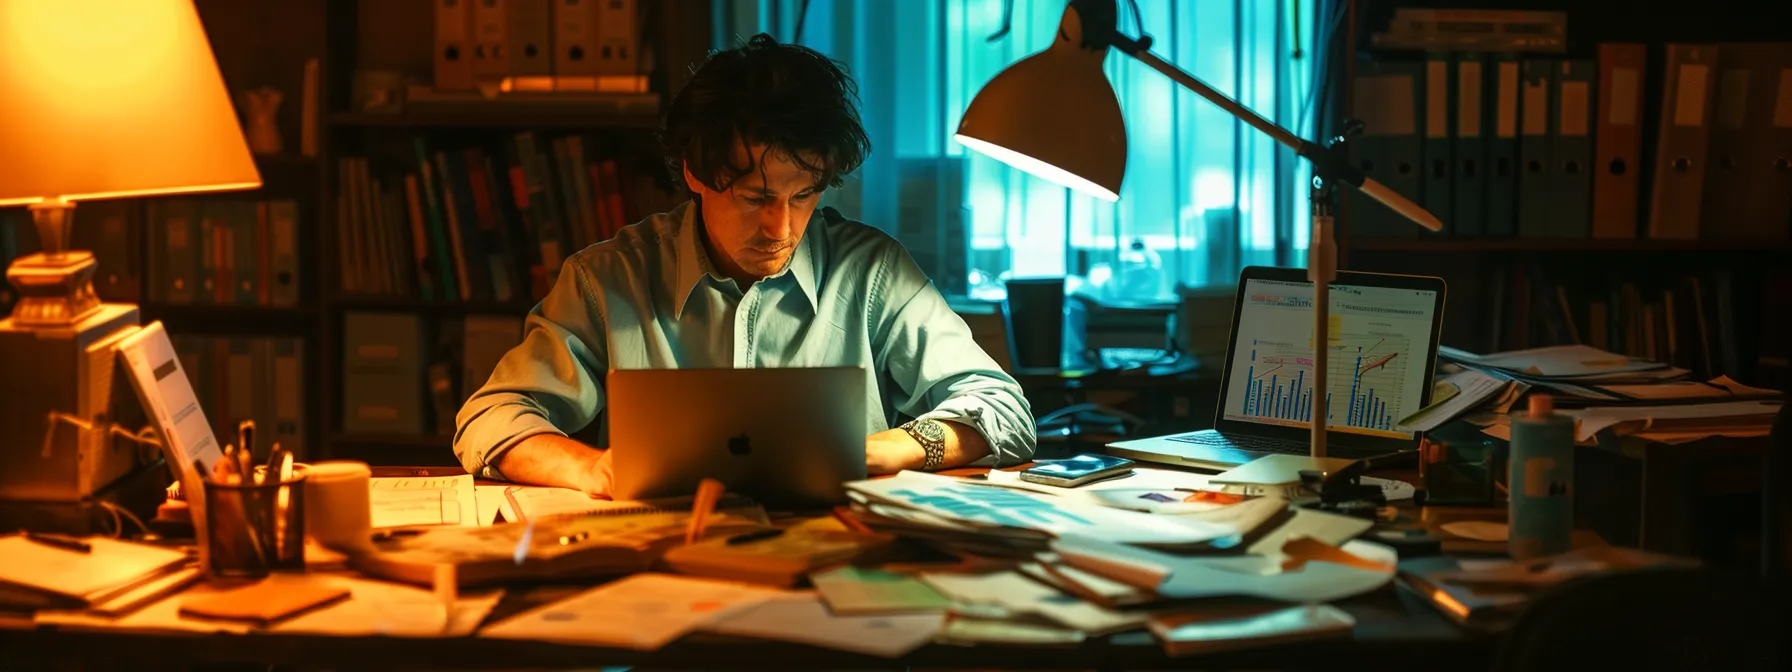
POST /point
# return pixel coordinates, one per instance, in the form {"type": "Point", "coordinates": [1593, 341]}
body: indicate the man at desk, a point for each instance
{"type": "Point", "coordinates": [748, 274]}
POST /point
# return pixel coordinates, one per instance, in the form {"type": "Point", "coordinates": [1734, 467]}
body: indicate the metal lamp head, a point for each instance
{"type": "Point", "coordinates": [1054, 114]}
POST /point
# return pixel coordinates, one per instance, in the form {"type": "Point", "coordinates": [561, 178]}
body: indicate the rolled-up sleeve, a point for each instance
{"type": "Point", "coordinates": [942, 372]}
{"type": "Point", "coordinates": [549, 384]}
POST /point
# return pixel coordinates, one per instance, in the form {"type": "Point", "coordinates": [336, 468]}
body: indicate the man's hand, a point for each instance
{"type": "Point", "coordinates": [552, 459]}
{"type": "Point", "coordinates": [892, 450]}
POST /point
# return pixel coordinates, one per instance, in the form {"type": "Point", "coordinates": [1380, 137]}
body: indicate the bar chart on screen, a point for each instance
{"type": "Point", "coordinates": [1373, 374]}
{"type": "Point", "coordinates": [1367, 380]}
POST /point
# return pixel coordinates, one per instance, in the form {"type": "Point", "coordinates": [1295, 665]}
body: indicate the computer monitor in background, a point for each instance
{"type": "Point", "coordinates": [1034, 315]}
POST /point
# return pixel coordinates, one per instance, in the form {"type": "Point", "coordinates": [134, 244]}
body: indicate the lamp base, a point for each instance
{"type": "Point", "coordinates": [54, 290]}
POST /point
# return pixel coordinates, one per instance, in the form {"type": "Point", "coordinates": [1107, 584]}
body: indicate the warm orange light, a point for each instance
{"type": "Point", "coordinates": [113, 98]}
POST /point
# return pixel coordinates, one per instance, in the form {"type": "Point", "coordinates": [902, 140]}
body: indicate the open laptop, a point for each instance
{"type": "Point", "coordinates": [1383, 354]}
{"type": "Point", "coordinates": [784, 437]}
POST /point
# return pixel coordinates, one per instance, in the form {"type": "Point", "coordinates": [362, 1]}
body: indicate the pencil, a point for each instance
{"type": "Point", "coordinates": [708, 492]}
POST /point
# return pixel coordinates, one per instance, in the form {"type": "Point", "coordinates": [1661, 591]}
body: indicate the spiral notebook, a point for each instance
{"type": "Point", "coordinates": [523, 503]}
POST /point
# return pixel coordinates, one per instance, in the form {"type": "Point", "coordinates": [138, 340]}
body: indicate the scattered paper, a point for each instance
{"type": "Point", "coordinates": [1674, 438]}
{"type": "Point", "coordinates": [374, 607]}
{"type": "Point", "coordinates": [413, 501]}
{"type": "Point", "coordinates": [1142, 478]}
{"type": "Point", "coordinates": [1478, 530]}
{"type": "Point", "coordinates": [803, 618]}
{"type": "Point", "coordinates": [642, 612]}
{"type": "Point", "coordinates": [1717, 388]}
{"type": "Point", "coordinates": [996, 506]}
{"type": "Point", "coordinates": [1223, 630]}
{"type": "Point", "coordinates": [1471, 389]}
{"type": "Point", "coordinates": [1327, 527]}
{"type": "Point", "coordinates": [1015, 593]}
{"type": "Point", "coordinates": [1188, 577]}
{"type": "Point", "coordinates": [1594, 419]}
{"type": "Point", "coordinates": [967, 630]}
{"type": "Point", "coordinates": [853, 590]}
{"type": "Point", "coordinates": [1557, 361]}
{"type": "Point", "coordinates": [489, 501]}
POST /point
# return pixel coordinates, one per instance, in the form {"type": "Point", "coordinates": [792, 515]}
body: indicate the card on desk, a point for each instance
{"type": "Point", "coordinates": [265, 602]}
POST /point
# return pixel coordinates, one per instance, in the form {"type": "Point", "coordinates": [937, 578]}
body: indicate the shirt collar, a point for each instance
{"type": "Point", "coordinates": [693, 261]}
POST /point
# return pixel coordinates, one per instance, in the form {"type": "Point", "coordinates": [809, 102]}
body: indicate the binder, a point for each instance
{"type": "Point", "coordinates": [454, 45]}
{"type": "Point", "coordinates": [1387, 101]}
{"type": "Point", "coordinates": [530, 30]}
{"type": "Point", "coordinates": [491, 40]}
{"type": "Point", "coordinates": [283, 242]}
{"type": "Point", "coordinates": [1470, 148]}
{"type": "Point", "coordinates": [1571, 149]}
{"type": "Point", "coordinates": [618, 43]}
{"type": "Point", "coordinates": [1618, 140]}
{"type": "Point", "coordinates": [1502, 146]}
{"type": "Point", "coordinates": [1748, 181]}
{"type": "Point", "coordinates": [1533, 147]}
{"type": "Point", "coordinates": [575, 38]}
{"type": "Point", "coordinates": [1682, 142]}
{"type": "Point", "coordinates": [1438, 187]}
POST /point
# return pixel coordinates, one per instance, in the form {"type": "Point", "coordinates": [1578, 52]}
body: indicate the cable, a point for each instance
{"type": "Point", "coordinates": [1007, 21]}
{"type": "Point", "coordinates": [118, 525]}
{"type": "Point", "coordinates": [802, 12]}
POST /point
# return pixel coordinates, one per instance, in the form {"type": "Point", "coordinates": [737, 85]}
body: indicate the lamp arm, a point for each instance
{"type": "Point", "coordinates": [1332, 166]}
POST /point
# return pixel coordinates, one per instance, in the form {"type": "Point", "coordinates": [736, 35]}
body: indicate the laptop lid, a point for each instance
{"type": "Point", "coordinates": [782, 436]}
{"type": "Point", "coordinates": [1385, 331]}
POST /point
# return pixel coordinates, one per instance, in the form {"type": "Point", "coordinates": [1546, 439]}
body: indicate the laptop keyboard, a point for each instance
{"type": "Point", "coordinates": [1266, 445]}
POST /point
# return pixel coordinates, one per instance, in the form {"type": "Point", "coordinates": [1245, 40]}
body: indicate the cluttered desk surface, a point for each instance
{"type": "Point", "coordinates": [962, 567]}
{"type": "Point", "coordinates": [919, 607]}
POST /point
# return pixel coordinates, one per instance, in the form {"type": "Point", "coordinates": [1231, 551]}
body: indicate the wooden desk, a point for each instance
{"type": "Point", "coordinates": [1395, 631]}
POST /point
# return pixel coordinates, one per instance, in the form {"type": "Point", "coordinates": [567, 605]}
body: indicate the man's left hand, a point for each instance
{"type": "Point", "coordinates": [893, 450]}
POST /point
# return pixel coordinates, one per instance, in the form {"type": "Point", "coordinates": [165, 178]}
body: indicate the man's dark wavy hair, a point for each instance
{"type": "Point", "coordinates": [788, 97]}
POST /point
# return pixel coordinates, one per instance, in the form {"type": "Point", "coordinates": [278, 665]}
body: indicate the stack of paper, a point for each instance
{"type": "Point", "coordinates": [95, 573]}
{"type": "Point", "coordinates": [958, 512]}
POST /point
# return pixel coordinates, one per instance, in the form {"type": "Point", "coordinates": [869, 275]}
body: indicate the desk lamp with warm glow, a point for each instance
{"type": "Point", "coordinates": [98, 99]}
{"type": "Point", "coordinates": [1054, 114]}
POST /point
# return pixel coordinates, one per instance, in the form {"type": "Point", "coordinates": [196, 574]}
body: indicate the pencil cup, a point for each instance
{"type": "Point", "coordinates": [252, 530]}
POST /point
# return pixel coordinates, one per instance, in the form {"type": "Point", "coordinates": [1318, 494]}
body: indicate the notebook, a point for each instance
{"type": "Point", "coordinates": [41, 576]}
{"type": "Point", "coordinates": [523, 503]}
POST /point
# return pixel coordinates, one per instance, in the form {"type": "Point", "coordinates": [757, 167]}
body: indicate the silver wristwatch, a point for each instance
{"type": "Point", "coordinates": [931, 434]}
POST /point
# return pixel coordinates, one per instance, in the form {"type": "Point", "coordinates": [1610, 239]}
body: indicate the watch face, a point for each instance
{"type": "Point", "coordinates": [932, 431]}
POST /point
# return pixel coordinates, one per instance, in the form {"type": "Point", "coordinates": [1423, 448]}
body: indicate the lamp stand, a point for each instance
{"type": "Point", "coordinates": [1331, 166]}
{"type": "Point", "coordinates": [56, 285]}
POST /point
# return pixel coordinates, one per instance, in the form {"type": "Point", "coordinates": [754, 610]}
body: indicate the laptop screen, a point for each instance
{"type": "Point", "coordinates": [1380, 350]}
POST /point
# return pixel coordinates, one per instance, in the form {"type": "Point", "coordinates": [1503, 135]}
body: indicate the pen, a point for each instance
{"type": "Point", "coordinates": [755, 536]}
{"type": "Point", "coordinates": [63, 543]}
{"type": "Point", "coordinates": [245, 437]}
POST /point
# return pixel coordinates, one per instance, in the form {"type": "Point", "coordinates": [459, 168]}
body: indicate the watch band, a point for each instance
{"type": "Point", "coordinates": [931, 434]}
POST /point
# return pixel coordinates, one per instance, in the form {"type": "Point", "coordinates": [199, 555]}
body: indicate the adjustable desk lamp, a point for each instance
{"type": "Point", "coordinates": [1053, 114]}
{"type": "Point", "coordinates": [98, 99]}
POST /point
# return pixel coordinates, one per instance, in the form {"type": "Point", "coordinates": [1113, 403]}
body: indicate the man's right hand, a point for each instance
{"type": "Point", "coordinates": [555, 460]}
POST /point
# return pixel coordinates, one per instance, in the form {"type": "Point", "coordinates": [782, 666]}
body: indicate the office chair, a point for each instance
{"type": "Point", "coordinates": [1664, 618]}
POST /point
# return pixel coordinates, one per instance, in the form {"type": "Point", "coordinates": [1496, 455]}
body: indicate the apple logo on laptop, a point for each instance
{"type": "Point", "coordinates": [740, 446]}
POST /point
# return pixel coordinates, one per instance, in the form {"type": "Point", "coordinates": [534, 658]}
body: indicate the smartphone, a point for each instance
{"type": "Point", "coordinates": [1075, 471]}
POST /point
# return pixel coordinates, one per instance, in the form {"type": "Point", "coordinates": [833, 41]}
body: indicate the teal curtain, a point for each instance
{"type": "Point", "coordinates": [1204, 195]}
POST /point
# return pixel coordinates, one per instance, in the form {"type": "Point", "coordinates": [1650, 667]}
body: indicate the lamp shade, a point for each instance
{"type": "Point", "coordinates": [1054, 115]}
{"type": "Point", "coordinates": [112, 98]}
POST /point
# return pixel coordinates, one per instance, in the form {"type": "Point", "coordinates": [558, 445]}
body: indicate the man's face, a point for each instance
{"type": "Point", "coordinates": [754, 225]}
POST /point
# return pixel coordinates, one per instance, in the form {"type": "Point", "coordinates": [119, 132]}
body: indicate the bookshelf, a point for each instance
{"type": "Point", "coordinates": [1719, 298]}
{"type": "Point", "coordinates": [268, 43]}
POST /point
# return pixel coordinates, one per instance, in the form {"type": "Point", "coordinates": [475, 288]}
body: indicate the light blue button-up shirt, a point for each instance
{"type": "Point", "coordinates": [648, 298]}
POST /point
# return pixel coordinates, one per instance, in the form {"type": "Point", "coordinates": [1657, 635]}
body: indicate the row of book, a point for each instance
{"type": "Point", "coordinates": [1502, 145]}
{"type": "Point", "coordinates": [1700, 321]}
{"type": "Point", "coordinates": [482, 224]}
{"type": "Point", "coordinates": [403, 375]}
{"type": "Point", "coordinates": [199, 251]}
{"type": "Point", "coordinates": [260, 378]}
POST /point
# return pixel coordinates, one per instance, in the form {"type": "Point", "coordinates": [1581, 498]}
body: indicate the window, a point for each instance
{"type": "Point", "coordinates": [1204, 195]}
